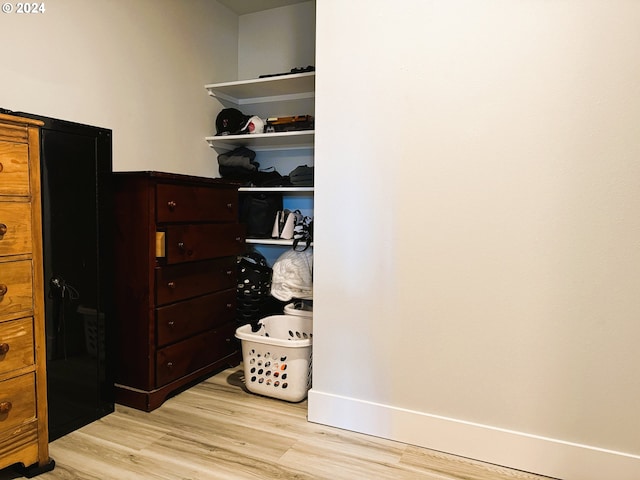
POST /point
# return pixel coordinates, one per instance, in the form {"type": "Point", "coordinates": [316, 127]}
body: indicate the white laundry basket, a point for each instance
{"type": "Point", "coordinates": [299, 308]}
{"type": "Point", "coordinates": [277, 358]}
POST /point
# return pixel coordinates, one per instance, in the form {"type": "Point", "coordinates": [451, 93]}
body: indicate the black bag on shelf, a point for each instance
{"type": "Point", "coordinates": [238, 164]}
{"type": "Point", "coordinates": [258, 212]}
{"type": "Point", "coordinates": [302, 176]}
{"type": "Point", "coordinates": [269, 178]}
{"type": "Point", "coordinates": [240, 157]}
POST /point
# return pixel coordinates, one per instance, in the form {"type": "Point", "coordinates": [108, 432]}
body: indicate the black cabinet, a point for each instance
{"type": "Point", "coordinates": [77, 217]}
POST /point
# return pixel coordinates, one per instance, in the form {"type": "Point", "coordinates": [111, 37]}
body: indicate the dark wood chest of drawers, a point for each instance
{"type": "Point", "coordinates": [177, 238]}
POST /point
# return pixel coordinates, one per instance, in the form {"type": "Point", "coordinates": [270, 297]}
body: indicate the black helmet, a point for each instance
{"type": "Point", "coordinates": [254, 287]}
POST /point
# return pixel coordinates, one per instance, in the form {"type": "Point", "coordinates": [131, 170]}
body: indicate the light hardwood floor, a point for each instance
{"type": "Point", "coordinates": [217, 430]}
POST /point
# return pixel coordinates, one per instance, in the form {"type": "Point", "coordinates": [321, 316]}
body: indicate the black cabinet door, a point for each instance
{"type": "Point", "coordinates": [76, 166]}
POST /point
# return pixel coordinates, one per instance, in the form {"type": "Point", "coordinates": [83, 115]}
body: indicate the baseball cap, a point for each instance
{"type": "Point", "coordinates": [231, 121]}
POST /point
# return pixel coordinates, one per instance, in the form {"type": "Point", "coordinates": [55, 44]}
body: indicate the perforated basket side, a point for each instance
{"type": "Point", "coordinates": [277, 367]}
{"type": "Point", "coordinates": [278, 372]}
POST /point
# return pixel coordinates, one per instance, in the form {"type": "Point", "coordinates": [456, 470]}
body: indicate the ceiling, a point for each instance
{"type": "Point", "coordinates": [242, 7]}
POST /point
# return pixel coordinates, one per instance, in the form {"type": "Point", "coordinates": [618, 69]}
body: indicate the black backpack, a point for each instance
{"type": "Point", "coordinates": [258, 212]}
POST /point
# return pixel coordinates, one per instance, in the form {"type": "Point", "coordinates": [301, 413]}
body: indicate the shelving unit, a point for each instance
{"type": "Point", "coordinates": [274, 89]}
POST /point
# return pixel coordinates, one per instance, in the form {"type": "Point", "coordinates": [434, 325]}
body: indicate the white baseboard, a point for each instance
{"type": "Point", "coordinates": [531, 453]}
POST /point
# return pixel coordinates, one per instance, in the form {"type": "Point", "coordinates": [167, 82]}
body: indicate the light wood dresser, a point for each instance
{"type": "Point", "coordinates": [176, 241]}
{"type": "Point", "coordinates": [24, 438]}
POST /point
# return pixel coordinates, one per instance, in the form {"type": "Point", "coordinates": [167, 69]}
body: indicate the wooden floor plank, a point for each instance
{"type": "Point", "coordinates": [452, 467]}
{"type": "Point", "coordinates": [327, 463]}
{"type": "Point", "coordinates": [217, 430]}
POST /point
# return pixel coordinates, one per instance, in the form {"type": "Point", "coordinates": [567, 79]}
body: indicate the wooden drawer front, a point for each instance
{"type": "Point", "coordinates": [185, 203]}
{"type": "Point", "coordinates": [19, 444]}
{"type": "Point", "coordinates": [15, 282]}
{"type": "Point", "coordinates": [14, 167]}
{"type": "Point", "coordinates": [16, 344]}
{"type": "Point", "coordinates": [183, 319]}
{"type": "Point", "coordinates": [185, 357]}
{"type": "Point", "coordinates": [15, 228]}
{"type": "Point", "coordinates": [11, 132]}
{"type": "Point", "coordinates": [187, 280]}
{"type": "Point", "coordinates": [187, 243]}
{"type": "Point", "coordinates": [17, 401]}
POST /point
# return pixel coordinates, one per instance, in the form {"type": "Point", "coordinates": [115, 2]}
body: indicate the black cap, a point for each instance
{"type": "Point", "coordinates": [231, 121]}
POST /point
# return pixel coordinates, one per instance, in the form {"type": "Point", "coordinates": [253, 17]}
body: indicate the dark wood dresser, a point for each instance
{"type": "Point", "coordinates": [177, 238]}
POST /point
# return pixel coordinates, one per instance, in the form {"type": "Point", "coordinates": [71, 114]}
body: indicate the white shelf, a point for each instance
{"type": "Point", "coordinates": [269, 89]}
{"type": "Point", "coordinates": [276, 189]}
{"type": "Point", "coordinates": [264, 141]}
{"type": "Point", "coordinates": [271, 241]}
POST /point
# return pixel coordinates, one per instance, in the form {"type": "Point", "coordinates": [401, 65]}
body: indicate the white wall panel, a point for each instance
{"type": "Point", "coordinates": [477, 204]}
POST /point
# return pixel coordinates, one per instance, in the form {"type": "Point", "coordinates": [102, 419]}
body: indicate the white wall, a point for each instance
{"type": "Point", "coordinates": [477, 227]}
{"type": "Point", "coordinates": [138, 68]}
{"type": "Point", "coordinates": [276, 40]}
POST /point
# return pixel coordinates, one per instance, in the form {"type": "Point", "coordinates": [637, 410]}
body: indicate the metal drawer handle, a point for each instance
{"type": "Point", "coordinates": [230, 206]}
{"type": "Point", "coordinates": [5, 407]}
{"type": "Point", "coordinates": [3, 230]}
{"type": "Point", "coordinates": [169, 365]}
{"type": "Point", "coordinates": [229, 305]}
{"type": "Point", "coordinates": [229, 273]}
{"type": "Point", "coordinates": [4, 348]}
{"type": "Point", "coordinates": [171, 285]}
{"type": "Point", "coordinates": [172, 205]}
{"type": "Point", "coordinates": [3, 290]}
{"type": "Point", "coordinates": [238, 239]}
{"type": "Point", "coordinates": [181, 246]}
{"type": "Point", "coordinates": [171, 323]}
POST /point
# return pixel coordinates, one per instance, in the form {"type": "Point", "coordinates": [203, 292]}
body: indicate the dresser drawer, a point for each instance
{"type": "Point", "coordinates": [17, 401]}
{"type": "Point", "coordinates": [14, 168]}
{"type": "Point", "coordinates": [16, 344]}
{"type": "Point", "coordinates": [16, 290]}
{"type": "Point", "coordinates": [19, 444]}
{"type": "Point", "coordinates": [199, 314]}
{"type": "Point", "coordinates": [185, 357]}
{"type": "Point", "coordinates": [186, 203]}
{"type": "Point", "coordinates": [186, 243]}
{"type": "Point", "coordinates": [13, 132]}
{"type": "Point", "coordinates": [15, 227]}
{"type": "Point", "coordinates": [187, 280]}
